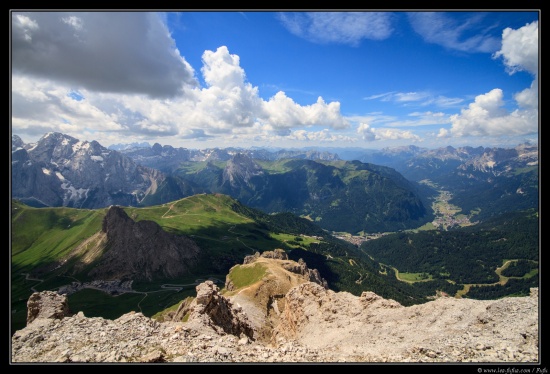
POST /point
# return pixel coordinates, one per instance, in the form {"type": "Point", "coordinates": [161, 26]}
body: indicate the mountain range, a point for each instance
{"type": "Point", "coordinates": [95, 214]}
{"type": "Point", "coordinates": [60, 170]}
{"type": "Point", "coordinates": [371, 191]}
{"type": "Point", "coordinates": [489, 181]}
{"type": "Point", "coordinates": [340, 196]}
{"type": "Point", "coordinates": [139, 227]}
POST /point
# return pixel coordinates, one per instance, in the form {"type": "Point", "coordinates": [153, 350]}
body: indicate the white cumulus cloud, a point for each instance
{"type": "Point", "coordinates": [520, 48]}
{"type": "Point", "coordinates": [227, 106]}
{"type": "Point", "coordinates": [324, 136]}
{"type": "Point", "coordinates": [486, 116]}
{"type": "Point", "coordinates": [369, 133]}
{"type": "Point", "coordinates": [282, 112]}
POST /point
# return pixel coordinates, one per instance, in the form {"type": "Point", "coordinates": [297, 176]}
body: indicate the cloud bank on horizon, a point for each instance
{"type": "Point", "coordinates": [361, 79]}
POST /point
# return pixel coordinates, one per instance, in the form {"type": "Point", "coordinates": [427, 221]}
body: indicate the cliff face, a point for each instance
{"type": "Point", "coordinates": [142, 250]}
{"type": "Point", "coordinates": [313, 324]}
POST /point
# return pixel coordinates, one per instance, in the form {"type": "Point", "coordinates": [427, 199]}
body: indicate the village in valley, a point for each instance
{"type": "Point", "coordinates": [447, 216]}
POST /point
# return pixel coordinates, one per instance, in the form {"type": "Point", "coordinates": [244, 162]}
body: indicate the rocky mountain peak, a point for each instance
{"type": "Point", "coordinates": [142, 250]}
{"type": "Point", "coordinates": [60, 170]}
{"type": "Point", "coordinates": [157, 149]}
{"type": "Point", "coordinates": [239, 169]}
{"type": "Point", "coordinates": [16, 143]}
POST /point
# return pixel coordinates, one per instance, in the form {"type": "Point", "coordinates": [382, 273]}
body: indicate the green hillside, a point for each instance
{"type": "Point", "coordinates": [347, 196]}
{"type": "Point", "coordinates": [48, 243]}
{"type": "Point", "coordinates": [49, 246]}
{"type": "Point", "coordinates": [485, 256]}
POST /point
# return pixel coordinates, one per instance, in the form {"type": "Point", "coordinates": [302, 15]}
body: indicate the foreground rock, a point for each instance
{"type": "Point", "coordinates": [370, 328]}
{"type": "Point", "coordinates": [263, 298]}
{"type": "Point", "coordinates": [308, 323]}
{"type": "Point", "coordinates": [212, 309]}
{"type": "Point", "coordinates": [46, 305]}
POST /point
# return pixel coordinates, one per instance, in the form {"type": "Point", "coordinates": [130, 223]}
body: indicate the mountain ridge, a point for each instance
{"type": "Point", "coordinates": [142, 250]}
{"type": "Point", "coordinates": [60, 170]}
{"type": "Point", "coordinates": [79, 174]}
{"type": "Point", "coordinates": [309, 324]}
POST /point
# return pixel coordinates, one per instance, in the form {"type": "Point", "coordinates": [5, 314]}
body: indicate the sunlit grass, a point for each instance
{"type": "Point", "coordinates": [415, 277]}
{"type": "Point", "coordinates": [243, 275]}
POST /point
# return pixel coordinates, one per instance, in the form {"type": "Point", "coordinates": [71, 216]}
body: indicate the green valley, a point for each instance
{"type": "Point", "coordinates": [54, 247]}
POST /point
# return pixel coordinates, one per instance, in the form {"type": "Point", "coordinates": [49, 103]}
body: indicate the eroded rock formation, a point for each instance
{"type": "Point", "coordinates": [47, 304]}
{"type": "Point", "coordinates": [142, 250]}
{"type": "Point", "coordinates": [212, 309]}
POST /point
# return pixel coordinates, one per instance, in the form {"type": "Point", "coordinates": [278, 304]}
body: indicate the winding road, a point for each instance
{"type": "Point", "coordinates": [121, 291]}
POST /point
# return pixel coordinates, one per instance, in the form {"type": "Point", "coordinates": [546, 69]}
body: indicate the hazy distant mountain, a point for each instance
{"type": "Point", "coordinates": [124, 146]}
{"type": "Point", "coordinates": [420, 163]}
{"type": "Point", "coordinates": [377, 192]}
{"type": "Point", "coordinates": [338, 196]}
{"type": "Point", "coordinates": [488, 180]}
{"type": "Point", "coordinates": [167, 158]}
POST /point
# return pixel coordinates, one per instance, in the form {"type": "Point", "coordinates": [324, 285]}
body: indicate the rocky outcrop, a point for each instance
{"type": "Point", "coordinates": [263, 298]}
{"type": "Point", "coordinates": [48, 305]}
{"type": "Point", "coordinates": [299, 267]}
{"type": "Point", "coordinates": [281, 316]}
{"type": "Point", "coordinates": [251, 258]}
{"type": "Point", "coordinates": [278, 254]}
{"type": "Point", "coordinates": [312, 275]}
{"type": "Point", "coordinates": [142, 250]}
{"type": "Point", "coordinates": [182, 312]}
{"type": "Point", "coordinates": [447, 329]}
{"type": "Point", "coordinates": [212, 309]}
{"type": "Point", "coordinates": [317, 325]}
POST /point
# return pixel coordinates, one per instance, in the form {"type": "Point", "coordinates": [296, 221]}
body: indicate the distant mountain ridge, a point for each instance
{"type": "Point", "coordinates": [167, 158]}
{"type": "Point", "coordinates": [62, 171]}
{"type": "Point", "coordinates": [486, 180]}
{"type": "Point", "coordinates": [386, 190]}
{"type": "Point", "coordinates": [337, 195]}
{"type": "Point", "coordinates": [419, 163]}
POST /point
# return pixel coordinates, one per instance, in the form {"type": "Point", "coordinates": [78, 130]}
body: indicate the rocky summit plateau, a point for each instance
{"type": "Point", "coordinates": [273, 309]}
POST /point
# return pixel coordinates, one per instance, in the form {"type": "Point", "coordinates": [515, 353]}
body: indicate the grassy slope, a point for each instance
{"type": "Point", "coordinates": [45, 236]}
{"type": "Point", "coordinates": [40, 236]}
{"type": "Point", "coordinates": [225, 232]}
{"type": "Point", "coordinates": [349, 194]}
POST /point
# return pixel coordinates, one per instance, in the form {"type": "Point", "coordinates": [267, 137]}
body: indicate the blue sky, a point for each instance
{"type": "Point", "coordinates": [277, 79]}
